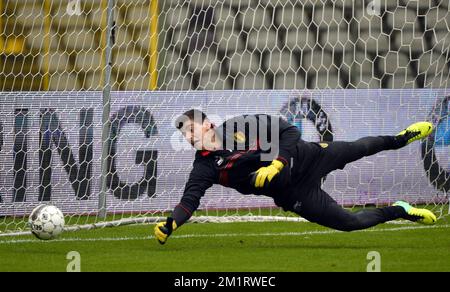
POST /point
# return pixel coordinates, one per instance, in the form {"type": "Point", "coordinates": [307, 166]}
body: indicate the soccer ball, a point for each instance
{"type": "Point", "coordinates": [46, 222]}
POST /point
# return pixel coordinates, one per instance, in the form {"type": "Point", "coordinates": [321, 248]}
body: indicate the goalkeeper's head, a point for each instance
{"type": "Point", "coordinates": [198, 130]}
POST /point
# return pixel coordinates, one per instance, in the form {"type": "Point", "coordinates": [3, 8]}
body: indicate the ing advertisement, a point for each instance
{"type": "Point", "coordinates": [51, 146]}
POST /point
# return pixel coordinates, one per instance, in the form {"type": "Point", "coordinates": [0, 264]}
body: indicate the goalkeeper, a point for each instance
{"type": "Point", "coordinates": [292, 176]}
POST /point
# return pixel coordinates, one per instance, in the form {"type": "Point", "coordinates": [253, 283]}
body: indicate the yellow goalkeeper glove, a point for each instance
{"type": "Point", "coordinates": [164, 229]}
{"type": "Point", "coordinates": [266, 173]}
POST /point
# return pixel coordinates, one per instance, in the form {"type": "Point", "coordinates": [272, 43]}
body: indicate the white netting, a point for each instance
{"type": "Point", "coordinates": [232, 44]}
{"type": "Point", "coordinates": [304, 44]}
{"type": "Point", "coordinates": [51, 140]}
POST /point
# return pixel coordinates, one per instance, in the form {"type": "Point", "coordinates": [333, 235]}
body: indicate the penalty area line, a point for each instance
{"type": "Point", "coordinates": [222, 235]}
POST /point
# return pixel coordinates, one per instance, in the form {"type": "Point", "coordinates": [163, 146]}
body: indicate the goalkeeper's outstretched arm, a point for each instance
{"type": "Point", "coordinates": [201, 178]}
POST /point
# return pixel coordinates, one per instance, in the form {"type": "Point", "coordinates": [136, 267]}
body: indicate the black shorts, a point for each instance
{"type": "Point", "coordinates": [305, 196]}
{"type": "Point", "coordinates": [308, 201]}
{"type": "Point", "coordinates": [330, 157]}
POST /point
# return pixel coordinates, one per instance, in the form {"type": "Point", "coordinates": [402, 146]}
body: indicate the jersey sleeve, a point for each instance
{"type": "Point", "coordinates": [289, 136]}
{"type": "Point", "coordinates": [202, 177]}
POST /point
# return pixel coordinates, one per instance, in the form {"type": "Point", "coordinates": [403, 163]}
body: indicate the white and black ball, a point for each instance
{"type": "Point", "coordinates": [46, 222]}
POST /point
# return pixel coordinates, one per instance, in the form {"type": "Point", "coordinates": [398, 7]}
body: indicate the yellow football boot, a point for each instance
{"type": "Point", "coordinates": [423, 216]}
{"type": "Point", "coordinates": [416, 132]}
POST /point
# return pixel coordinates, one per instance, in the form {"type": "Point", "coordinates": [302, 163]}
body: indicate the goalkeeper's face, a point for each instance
{"type": "Point", "coordinates": [201, 136]}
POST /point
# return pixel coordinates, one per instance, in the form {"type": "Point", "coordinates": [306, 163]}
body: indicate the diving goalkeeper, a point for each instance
{"type": "Point", "coordinates": [236, 155]}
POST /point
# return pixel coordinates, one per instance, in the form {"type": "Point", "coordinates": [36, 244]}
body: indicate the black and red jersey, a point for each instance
{"type": "Point", "coordinates": [248, 144]}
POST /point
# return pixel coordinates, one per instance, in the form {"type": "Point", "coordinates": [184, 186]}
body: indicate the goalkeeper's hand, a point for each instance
{"type": "Point", "coordinates": [266, 173]}
{"type": "Point", "coordinates": [164, 229]}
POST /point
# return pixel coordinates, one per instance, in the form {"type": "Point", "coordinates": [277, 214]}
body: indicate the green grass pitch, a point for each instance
{"type": "Point", "coordinates": [266, 247]}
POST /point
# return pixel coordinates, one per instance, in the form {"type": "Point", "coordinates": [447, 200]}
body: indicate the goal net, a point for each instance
{"type": "Point", "coordinates": [90, 90]}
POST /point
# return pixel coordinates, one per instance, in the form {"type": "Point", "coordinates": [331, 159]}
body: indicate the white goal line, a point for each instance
{"type": "Point", "coordinates": [223, 235]}
{"type": "Point", "coordinates": [196, 219]}
{"type": "Point", "coordinates": [143, 220]}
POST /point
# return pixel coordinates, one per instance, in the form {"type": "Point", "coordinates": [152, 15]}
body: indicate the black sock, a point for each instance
{"type": "Point", "coordinates": [398, 141]}
{"type": "Point", "coordinates": [393, 142]}
{"type": "Point", "coordinates": [394, 212]}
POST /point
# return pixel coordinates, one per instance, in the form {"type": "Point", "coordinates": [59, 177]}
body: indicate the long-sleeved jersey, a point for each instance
{"type": "Point", "coordinates": [249, 143]}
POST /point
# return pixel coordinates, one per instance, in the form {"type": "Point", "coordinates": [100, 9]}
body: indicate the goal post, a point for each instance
{"type": "Point", "coordinates": [90, 90]}
{"type": "Point", "coordinates": [106, 98]}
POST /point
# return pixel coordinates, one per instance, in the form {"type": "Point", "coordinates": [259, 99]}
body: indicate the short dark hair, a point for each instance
{"type": "Point", "coordinates": [190, 115]}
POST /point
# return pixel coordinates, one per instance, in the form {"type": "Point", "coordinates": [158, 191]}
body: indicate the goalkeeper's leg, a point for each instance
{"type": "Point", "coordinates": [315, 205]}
{"type": "Point", "coordinates": [335, 155]}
